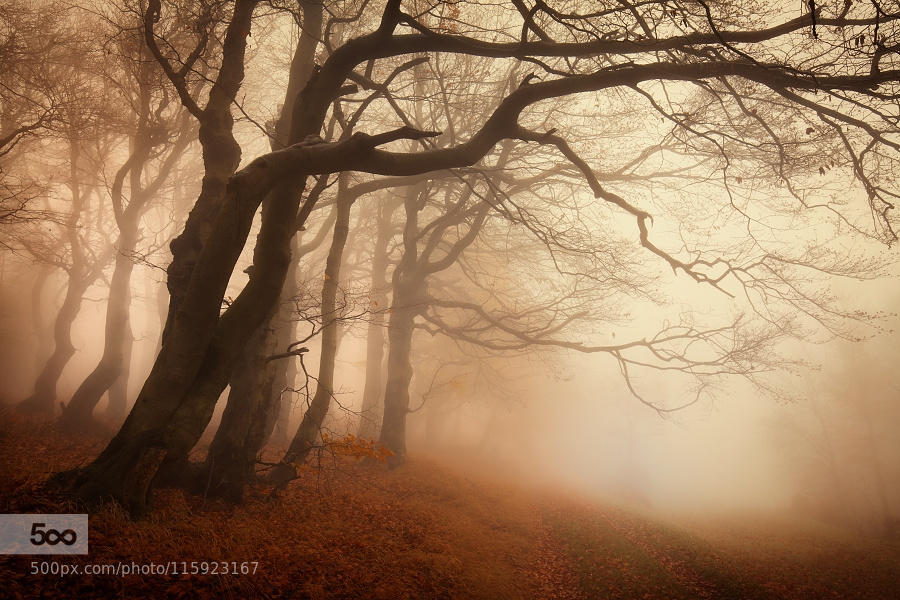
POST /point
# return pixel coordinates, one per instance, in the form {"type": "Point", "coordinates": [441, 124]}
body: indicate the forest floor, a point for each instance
{"type": "Point", "coordinates": [423, 531]}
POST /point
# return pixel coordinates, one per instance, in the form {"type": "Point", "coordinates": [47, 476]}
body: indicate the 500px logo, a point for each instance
{"type": "Point", "coordinates": [51, 536]}
{"type": "Point", "coordinates": [44, 534]}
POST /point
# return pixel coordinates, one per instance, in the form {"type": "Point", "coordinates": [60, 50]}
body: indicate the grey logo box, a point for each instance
{"type": "Point", "coordinates": [44, 534]}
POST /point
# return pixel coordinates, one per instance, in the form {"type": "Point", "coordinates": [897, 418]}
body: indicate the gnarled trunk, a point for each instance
{"type": "Point", "coordinates": [221, 156]}
{"type": "Point", "coordinates": [194, 364]}
{"type": "Point", "coordinates": [203, 259]}
{"type": "Point", "coordinates": [246, 423]}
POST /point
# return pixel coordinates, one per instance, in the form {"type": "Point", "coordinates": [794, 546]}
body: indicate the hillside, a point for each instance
{"type": "Point", "coordinates": [426, 530]}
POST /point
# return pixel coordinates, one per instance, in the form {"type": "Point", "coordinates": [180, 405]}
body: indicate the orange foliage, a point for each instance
{"type": "Point", "coordinates": [357, 447]}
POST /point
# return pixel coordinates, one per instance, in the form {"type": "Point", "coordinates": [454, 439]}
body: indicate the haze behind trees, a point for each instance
{"type": "Point", "coordinates": [561, 239]}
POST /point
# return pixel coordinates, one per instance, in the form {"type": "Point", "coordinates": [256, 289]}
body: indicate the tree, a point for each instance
{"type": "Point", "coordinates": [719, 59]}
{"type": "Point", "coordinates": [373, 390]}
{"type": "Point", "coordinates": [79, 122]}
{"type": "Point", "coordinates": [257, 383]}
{"type": "Point", "coordinates": [159, 135]}
{"type": "Point", "coordinates": [30, 101]}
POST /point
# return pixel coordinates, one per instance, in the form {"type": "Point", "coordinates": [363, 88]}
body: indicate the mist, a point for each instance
{"type": "Point", "coordinates": [467, 300]}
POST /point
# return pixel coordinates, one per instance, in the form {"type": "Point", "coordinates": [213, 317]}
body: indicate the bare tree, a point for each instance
{"type": "Point", "coordinates": [845, 91]}
{"type": "Point", "coordinates": [78, 124]}
{"type": "Point", "coordinates": [159, 135]}
{"type": "Point", "coordinates": [30, 99]}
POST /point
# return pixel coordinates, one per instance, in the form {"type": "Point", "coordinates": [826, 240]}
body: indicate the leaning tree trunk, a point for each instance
{"type": "Point", "coordinates": [308, 430]}
{"type": "Point", "coordinates": [193, 367]}
{"type": "Point", "coordinates": [251, 408]}
{"type": "Point", "coordinates": [282, 333]}
{"type": "Point", "coordinates": [204, 255]}
{"type": "Point", "coordinates": [194, 364]}
{"type": "Point", "coordinates": [246, 423]}
{"type": "Point", "coordinates": [43, 400]}
{"type": "Point", "coordinates": [78, 413]}
{"type": "Point", "coordinates": [221, 157]}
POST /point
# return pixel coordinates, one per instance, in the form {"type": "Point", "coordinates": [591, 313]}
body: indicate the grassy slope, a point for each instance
{"type": "Point", "coordinates": [423, 531]}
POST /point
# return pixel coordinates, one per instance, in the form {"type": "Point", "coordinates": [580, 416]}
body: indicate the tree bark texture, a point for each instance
{"type": "Point", "coordinates": [221, 156]}
{"type": "Point", "coordinates": [246, 423]}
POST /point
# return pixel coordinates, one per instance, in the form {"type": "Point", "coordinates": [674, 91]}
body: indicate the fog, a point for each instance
{"type": "Point", "coordinates": [571, 421]}
{"type": "Point", "coordinates": [641, 258]}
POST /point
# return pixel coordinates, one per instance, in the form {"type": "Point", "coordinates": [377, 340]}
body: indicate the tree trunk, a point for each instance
{"type": "Point", "coordinates": [193, 366]}
{"type": "Point", "coordinates": [285, 370]}
{"type": "Point", "coordinates": [840, 492]}
{"type": "Point", "coordinates": [78, 413]}
{"type": "Point", "coordinates": [407, 285]}
{"type": "Point", "coordinates": [246, 423]}
{"type": "Point", "coordinates": [162, 311]}
{"type": "Point", "coordinates": [282, 334]}
{"type": "Point", "coordinates": [118, 393]}
{"type": "Point", "coordinates": [372, 405]}
{"type": "Point", "coordinates": [221, 156]}
{"type": "Point", "coordinates": [118, 340]}
{"type": "Point", "coordinates": [305, 438]}
{"type": "Point", "coordinates": [399, 376]}
{"type": "Point", "coordinates": [199, 346]}
{"type": "Point", "coordinates": [203, 259]}
{"type": "Point", "coordinates": [43, 334]}
{"type": "Point", "coordinates": [888, 522]}
{"type": "Point", "coordinates": [251, 412]}
{"type": "Point", "coordinates": [43, 400]}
